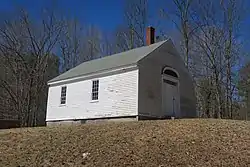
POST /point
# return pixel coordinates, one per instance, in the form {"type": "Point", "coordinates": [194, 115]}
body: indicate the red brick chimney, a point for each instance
{"type": "Point", "coordinates": [150, 35]}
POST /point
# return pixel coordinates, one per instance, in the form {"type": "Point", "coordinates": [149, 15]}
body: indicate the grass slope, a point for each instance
{"type": "Point", "coordinates": [146, 143]}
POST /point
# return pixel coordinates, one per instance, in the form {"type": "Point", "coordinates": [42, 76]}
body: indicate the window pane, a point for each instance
{"type": "Point", "coordinates": [64, 89]}
{"type": "Point", "coordinates": [95, 85]}
{"type": "Point", "coordinates": [171, 73]}
{"type": "Point", "coordinates": [63, 95]}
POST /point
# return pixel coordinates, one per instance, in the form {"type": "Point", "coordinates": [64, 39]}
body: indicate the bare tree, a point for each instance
{"type": "Point", "coordinates": [233, 14]}
{"type": "Point", "coordinates": [79, 44]}
{"type": "Point", "coordinates": [26, 48]}
{"type": "Point", "coordinates": [93, 43]}
{"type": "Point", "coordinates": [181, 16]}
{"type": "Point", "coordinates": [132, 33]}
{"type": "Point", "coordinates": [244, 90]}
{"type": "Point", "coordinates": [210, 49]}
{"type": "Point", "coordinates": [217, 41]}
{"type": "Point", "coordinates": [70, 44]}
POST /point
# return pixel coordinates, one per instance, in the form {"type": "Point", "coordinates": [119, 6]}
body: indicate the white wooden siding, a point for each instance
{"type": "Point", "coordinates": [118, 97]}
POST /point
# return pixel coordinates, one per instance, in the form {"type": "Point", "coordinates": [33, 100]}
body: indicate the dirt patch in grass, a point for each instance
{"type": "Point", "coordinates": [146, 143]}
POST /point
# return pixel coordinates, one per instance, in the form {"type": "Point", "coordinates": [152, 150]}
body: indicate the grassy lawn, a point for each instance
{"type": "Point", "coordinates": [186, 143]}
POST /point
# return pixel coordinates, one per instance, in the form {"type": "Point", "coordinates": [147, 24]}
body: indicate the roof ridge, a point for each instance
{"type": "Point", "coordinates": [117, 54]}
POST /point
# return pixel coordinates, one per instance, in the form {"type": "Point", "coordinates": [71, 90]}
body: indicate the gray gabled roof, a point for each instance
{"type": "Point", "coordinates": [109, 62]}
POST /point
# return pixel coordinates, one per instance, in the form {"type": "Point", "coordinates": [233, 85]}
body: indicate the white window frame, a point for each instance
{"type": "Point", "coordinates": [63, 96]}
{"type": "Point", "coordinates": [95, 90]}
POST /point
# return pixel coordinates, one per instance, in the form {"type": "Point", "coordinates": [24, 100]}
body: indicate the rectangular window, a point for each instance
{"type": "Point", "coordinates": [95, 89]}
{"type": "Point", "coordinates": [63, 94]}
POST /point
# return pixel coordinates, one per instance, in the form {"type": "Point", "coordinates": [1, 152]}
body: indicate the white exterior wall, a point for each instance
{"type": "Point", "coordinates": [150, 83]}
{"type": "Point", "coordinates": [118, 97]}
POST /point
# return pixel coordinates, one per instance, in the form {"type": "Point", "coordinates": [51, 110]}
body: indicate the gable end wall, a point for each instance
{"type": "Point", "coordinates": [150, 83]}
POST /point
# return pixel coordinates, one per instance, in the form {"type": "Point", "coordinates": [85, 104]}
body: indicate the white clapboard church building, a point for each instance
{"type": "Point", "coordinates": [150, 82]}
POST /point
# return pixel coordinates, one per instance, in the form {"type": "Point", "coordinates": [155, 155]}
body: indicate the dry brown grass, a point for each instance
{"type": "Point", "coordinates": [146, 143]}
